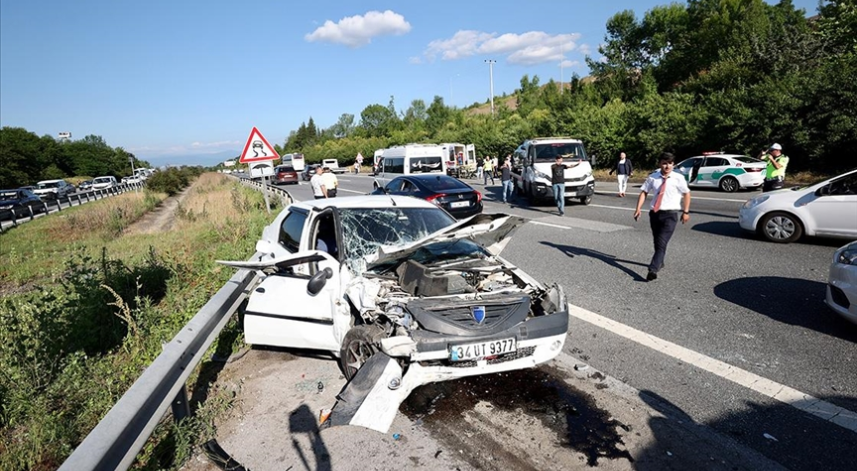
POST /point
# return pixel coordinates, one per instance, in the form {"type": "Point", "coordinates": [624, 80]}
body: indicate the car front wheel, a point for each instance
{"type": "Point", "coordinates": [781, 228]}
{"type": "Point", "coordinates": [360, 343]}
{"type": "Point", "coordinates": [729, 184]}
{"type": "Point", "coordinates": [585, 200]}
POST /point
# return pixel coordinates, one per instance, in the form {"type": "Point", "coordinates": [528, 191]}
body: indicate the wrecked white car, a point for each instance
{"type": "Point", "coordinates": [399, 281]}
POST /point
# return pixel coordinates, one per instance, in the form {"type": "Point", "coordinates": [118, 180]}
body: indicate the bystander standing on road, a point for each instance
{"type": "Point", "coordinates": [623, 170]}
{"type": "Point", "coordinates": [317, 183]}
{"type": "Point", "coordinates": [358, 162]}
{"type": "Point", "coordinates": [494, 166]}
{"type": "Point", "coordinates": [672, 197]}
{"type": "Point", "coordinates": [479, 163]}
{"type": "Point", "coordinates": [777, 162]}
{"type": "Point", "coordinates": [330, 182]}
{"type": "Point", "coordinates": [558, 183]}
{"type": "Point", "coordinates": [487, 172]}
{"type": "Point", "coordinates": [506, 179]}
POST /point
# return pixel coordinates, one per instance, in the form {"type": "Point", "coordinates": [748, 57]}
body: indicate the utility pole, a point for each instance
{"type": "Point", "coordinates": [491, 63]}
{"type": "Point", "coordinates": [561, 60]}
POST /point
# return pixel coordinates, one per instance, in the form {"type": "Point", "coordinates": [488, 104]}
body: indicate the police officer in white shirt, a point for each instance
{"type": "Point", "coordinates": [672, 197]}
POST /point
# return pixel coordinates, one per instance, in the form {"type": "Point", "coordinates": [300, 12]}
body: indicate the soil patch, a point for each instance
{"type": "Point", "coordinates": [159, 220]}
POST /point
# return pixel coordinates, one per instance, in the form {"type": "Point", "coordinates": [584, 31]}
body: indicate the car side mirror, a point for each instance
{"type": "Point", "coordinates": [823, 191]}
{"type": "Point", "coordinates": [317, 281]}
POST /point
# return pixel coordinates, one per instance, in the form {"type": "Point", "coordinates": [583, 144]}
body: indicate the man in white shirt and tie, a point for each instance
{"type": "Point", "coordinates": [672, 197]}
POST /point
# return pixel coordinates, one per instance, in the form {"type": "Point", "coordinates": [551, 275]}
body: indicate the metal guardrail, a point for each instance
{"type": "Point", "coordinates": [117, 439]}
{"type": "Point", "coordinates": [121, 434]}
{"type": "Point", "coordinates": [53, 205]}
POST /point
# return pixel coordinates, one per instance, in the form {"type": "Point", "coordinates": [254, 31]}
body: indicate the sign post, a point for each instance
{"type": "Point", "coordinates": [257, 149]}
{"type": "Point", "coordinates": [131, 159]}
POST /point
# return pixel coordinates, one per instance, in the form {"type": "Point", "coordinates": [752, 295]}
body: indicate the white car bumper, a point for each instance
{"type": "Point", "coordinates": [841, 293]}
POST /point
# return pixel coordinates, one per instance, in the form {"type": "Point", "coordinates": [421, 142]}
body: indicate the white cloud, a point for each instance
{"type": "Point", "coordinates": [532, 47]}
{"type": "Point", "coordinates": [585, 49]}
{"type": "Point", "coordinates": [356, 31]}
{"type": "Point", "coordinates": [567, 63]}
{"type": "Point", "coordinates": [188, 149]}
{"type": "Point", "coordinates": [214, 145]}
{"type": "Point", "coordinates": [462, 44]}
{"type": "Point", "coordinates": [415, 60]}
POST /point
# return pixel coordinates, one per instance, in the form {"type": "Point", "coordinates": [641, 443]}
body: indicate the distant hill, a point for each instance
{"type": "Point", "coordinates": [511, 101]}
{"type": "Point", "coordinates": [205, 160]}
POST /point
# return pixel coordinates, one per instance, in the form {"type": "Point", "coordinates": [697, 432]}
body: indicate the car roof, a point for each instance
{"type": "Point", "coordinates": [365, 201]}
{"type": "Point", "coordinates": [717, 155]}
{"type": "Point", "coordinates": [49, 181]}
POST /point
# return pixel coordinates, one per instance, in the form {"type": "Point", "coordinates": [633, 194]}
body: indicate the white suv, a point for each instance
{"type": "Point", "coordinates": [53, 189]}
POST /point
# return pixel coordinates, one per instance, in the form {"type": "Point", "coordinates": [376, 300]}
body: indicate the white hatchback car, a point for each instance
{"type": "Point", "coordinates": [842, 282]}
{"type": "Point", "coordinates": [729, 172]}
{"type": "Point", "coordinates": [826, 209]}
{"type": "Point", "coordinates": [396, 279]}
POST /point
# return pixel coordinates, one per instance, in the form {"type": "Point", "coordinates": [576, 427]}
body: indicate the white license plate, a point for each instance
{"type": "Point", "coordinates": [477, 351]}
{"type": "Point", "coordinates": [459, 204]}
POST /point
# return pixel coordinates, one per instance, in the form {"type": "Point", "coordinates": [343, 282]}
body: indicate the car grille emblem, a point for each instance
{"type": "Point", "coordinates": [478, 313]}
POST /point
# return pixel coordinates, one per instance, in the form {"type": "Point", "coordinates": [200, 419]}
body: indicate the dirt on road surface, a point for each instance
{"type": "Point", "coordinates": [563, 415]}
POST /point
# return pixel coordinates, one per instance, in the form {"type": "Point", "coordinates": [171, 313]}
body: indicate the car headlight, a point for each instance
{"type": "Point", "coordinates": [752, 203]}
{"type": "Point", "coordinates": [541, 175]}
{"type": "Point", "coordinates": [847, 255]}
{"type": "Point", "coordinates": [587, 175]}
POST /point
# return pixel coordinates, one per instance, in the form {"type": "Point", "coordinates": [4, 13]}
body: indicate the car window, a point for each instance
{"type": "Point", "coordinates": [714, 162]}
{"type": "Point", "coordinates": [687, 163]}
{"type": "Point", "coordinates": [426, 164]}
{"type": "Point", "coordinates": [844, 186]}
{"type": "Point", "coordinates": [291, 230]}
{"type": "Point", "coordinates": [566, 150]}
{"type": "Point", "coordinates": [408, 187]}
{"type": "Point", "coordinates": [747, 160]}
{"type": "Point", "coordinates": [8, 195]}
{"type": "Point", "coordinates": [394, 165]}
{"type": "Point", "coordinates": [441, 183]}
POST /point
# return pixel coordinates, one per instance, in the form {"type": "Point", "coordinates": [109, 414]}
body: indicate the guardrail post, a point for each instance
{"type": "Point", "coordinates": [180, 406]}
{"type": "Point", "coordinates": [59, 205]}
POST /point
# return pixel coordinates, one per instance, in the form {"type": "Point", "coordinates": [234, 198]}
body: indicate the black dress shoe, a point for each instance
{"type": "Point", "coordinates": [652, 276]}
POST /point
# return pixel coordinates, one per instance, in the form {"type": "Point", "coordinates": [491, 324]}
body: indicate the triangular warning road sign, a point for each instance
{"type": "Point", "coordinates": [257, 149]}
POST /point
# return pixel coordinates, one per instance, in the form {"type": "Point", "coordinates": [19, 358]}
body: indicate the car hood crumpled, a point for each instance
{"type": "Point", "coordinates": [491, 231]}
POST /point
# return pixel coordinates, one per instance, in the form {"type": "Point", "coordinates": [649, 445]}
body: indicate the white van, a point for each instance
{"type": "Point", "coordinates": [408, 160]}
{"type": "Point", "coordinates": [103, 183]}
{"type": "Point", "coordinates": [533, 160]}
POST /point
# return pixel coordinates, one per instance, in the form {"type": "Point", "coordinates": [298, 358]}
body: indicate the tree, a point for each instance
{"type": "Point", "coordinates": [377, 120]}
{"type": "Point", "coordinates": [344, 126]}
{"type": "Point", "coordinates": [437, 114]}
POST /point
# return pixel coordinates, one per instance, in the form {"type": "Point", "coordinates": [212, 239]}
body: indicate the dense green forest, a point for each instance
{"type": "Point", "coordinates": [728, 75]}
{"type": "Point", "coordinates": [26, 158]}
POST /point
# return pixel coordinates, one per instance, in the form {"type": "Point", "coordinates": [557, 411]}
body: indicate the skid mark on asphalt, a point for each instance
{"type": "Point", "coordinates": [780, 392]}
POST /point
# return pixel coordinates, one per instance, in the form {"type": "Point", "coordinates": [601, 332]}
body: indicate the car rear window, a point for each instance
{"type": "Point", "coordinates": [285, 169]}
{"type": "Point", "coordinates": [442, 183]}
{"type": "Point", "coordinates": [8, 195]}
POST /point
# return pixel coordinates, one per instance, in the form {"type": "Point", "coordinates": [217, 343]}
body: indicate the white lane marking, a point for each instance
{"type": "Point", "coordinates": [693, 196]}
{"type": "Point", "coordinates": [785, 394]}
{"type": "Point", "coordinates": [549, 225]}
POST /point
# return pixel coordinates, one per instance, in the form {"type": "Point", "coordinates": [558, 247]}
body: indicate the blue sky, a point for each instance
{"type": "Point", "coordinates": [185, 81]}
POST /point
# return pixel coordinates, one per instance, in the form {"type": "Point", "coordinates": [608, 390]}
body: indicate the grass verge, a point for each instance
{"type": "Point", "coordinates": [85, 309]}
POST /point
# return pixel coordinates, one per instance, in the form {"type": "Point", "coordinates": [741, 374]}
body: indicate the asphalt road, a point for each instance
{"type": "Point", "coordinates": [725, 297]}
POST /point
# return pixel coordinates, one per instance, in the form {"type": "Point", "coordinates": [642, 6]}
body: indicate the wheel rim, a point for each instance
{"type": "Point", "coordinates": [357, 354]}
{"type": "Point", "coordinates": [780, 228]}
{"type": "Point", "coordinates": [729, 185]}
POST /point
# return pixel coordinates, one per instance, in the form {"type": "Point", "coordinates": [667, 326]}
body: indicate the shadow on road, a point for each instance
{"type": "Point", "coordinates": [791, 301]}
{"type": "Point", "coordinates": [722, 228]}
{"type": "Point", "coordinates": [572, 251]}
{"type": "Point", "coordinates": [775, 431]}
{"type": "Point", "coordinates": [303, 421]}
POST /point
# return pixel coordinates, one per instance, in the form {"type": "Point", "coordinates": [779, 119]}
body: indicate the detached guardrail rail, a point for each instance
{"type": "Point", "coordinates": [121, 434]}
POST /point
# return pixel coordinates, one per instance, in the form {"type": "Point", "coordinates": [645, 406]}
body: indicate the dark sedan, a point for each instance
{"type": "Point", "coordinates": [308, 172]}
{"type": "Point", "coordinates": [285, 174]}
{"type": "Point", "coordinates": [17, 202]}
{"type": "Point", "coordinates": [451, 194]}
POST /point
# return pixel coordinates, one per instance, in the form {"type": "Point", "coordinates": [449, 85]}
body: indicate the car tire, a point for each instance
{"type": "Point", "coordinates": [780, 227]}
{"type": "Point", "coordinates": [586, 200]}
{"type": "Point", "coordinates": [360, 343]}
{"type": "Point", "coordinates": [729, 184]}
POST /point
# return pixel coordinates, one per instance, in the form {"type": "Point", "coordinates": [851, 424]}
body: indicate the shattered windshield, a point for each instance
{"type": "Point", "coordinates": [364, 230]}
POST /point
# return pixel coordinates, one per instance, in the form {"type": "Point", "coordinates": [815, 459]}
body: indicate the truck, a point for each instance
{"type": "Point", "coordinates": [295, 160]}
{"type": "Point", "coordinates": [333, 165]}
{"type": "Point", "coordinates": [531, 169]}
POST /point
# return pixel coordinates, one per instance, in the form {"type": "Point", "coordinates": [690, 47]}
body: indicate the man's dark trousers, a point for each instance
{"type": "Point", "coordinates": [663, 225]}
